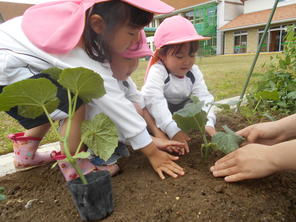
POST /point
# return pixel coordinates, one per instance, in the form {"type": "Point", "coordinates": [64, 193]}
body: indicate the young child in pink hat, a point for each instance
{"type": "Point", "coordinates": [122, 66]}
{"type": "Point", "coordinates": [79, 33]}
{"type": "Point", "coordinates": [172, 77]}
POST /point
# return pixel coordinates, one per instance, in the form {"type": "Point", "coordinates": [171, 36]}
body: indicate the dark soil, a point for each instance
{"type": "Point", "coordinates": [139, 194]}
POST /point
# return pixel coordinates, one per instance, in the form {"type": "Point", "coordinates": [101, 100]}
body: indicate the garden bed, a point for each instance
{"type": "Point", "coordinates": [139, 194]}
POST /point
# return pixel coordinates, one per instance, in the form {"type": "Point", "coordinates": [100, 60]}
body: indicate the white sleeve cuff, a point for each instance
{"type": "Point", "coordinates": [172, 129]}
{"type": "Point", "coordinates": [211, 122]}
{"type": "Point", "coordinates": [141, 140]}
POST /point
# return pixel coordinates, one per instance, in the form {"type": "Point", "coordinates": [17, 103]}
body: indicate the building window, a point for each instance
{"type": "Point", "coordinates": [199, 17]}
{"type": "Point", "coordinates": [274, 38]}
{"type": "Point", "coordinates": [189, 15]}
{"type": "Point", "coordinates": [240, 41]}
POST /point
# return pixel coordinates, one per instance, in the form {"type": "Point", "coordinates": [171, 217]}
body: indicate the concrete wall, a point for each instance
{"type": "Point", "coordinates": [259, 5]}
{"type": "Point", "coordinates": [252, 40]}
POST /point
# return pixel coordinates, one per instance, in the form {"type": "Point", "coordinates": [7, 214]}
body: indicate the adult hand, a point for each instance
{"type": "Point", "coordinates": [249, 162]}
{"type": "Point", "coordinates": [268, 133]}
{"type": "Point", "coordinates": [183, 138]}
{"type": "Point", "coordinates": [169, 145]}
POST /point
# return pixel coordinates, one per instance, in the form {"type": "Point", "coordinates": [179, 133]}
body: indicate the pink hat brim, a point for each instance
{"type": "Point", "coordinates": [138, 50]}
{"type": "Point", "coordinates": [56, 27]}
{"type": "Point", "coordinates": [154, 6]}
{"type": "Point", "coordinates": [186, 39]}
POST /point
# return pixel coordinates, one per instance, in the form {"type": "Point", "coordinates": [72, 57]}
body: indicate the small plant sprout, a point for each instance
{"type": "Point", "coordinates": [192, 117]}
{"type": "Point", "coordinates": [34, 97]}
{"type": "Point", "coordinates": [2, 195]}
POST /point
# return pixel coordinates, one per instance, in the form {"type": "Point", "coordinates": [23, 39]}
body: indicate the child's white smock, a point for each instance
{"type": "Point", "coordinates": [162, 87]}
{"type": "Point", "coordinates": [20, 59]}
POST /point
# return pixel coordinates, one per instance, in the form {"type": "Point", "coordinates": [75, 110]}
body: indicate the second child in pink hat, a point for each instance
{"type": "Point", "coordinates": [172, 77]}
{"type": "Point", "coordinates": [79, 33]}
{"type": "Point", "coordinates": [122, 66]}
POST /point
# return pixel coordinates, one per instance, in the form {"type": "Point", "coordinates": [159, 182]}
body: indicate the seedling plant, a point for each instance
{"type": "Point", "coordinates": [192, 117]}
{"type": "Point", "coordinates": [34, 97]}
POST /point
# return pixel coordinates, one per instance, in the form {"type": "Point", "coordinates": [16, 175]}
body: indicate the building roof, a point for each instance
{"type": "Point", "coordinates": [254, 19]}
{"type": "Point", "coordinates": [179, 4]}
{"type": "Point", "coordinates": [9, 10]}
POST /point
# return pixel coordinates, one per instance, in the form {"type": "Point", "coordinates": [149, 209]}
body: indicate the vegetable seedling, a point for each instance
{"type": "Point", "coordinates": [192, 117]}
{"type": "Point", "coordinates": [33, 97]}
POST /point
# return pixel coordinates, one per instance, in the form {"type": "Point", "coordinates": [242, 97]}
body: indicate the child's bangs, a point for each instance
{"type": "Point", "coordinates": [139, 18]}
{"type": "Point", "coordinates": [175, 49]}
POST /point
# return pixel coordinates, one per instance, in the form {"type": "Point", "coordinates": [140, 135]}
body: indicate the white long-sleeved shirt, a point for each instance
{"type": "Point", "coordinates": [162, 87]}
{"type": "Point", "coordinates": [20, 59]}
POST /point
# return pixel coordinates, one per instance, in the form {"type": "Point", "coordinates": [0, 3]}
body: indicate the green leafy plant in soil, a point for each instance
{"type": "Point", "coordinates": [192, 117]}
{"type": "Point", "coordinates": [2, 195]}
{"type": "Point", "coordinates": [275, 90]}
{"type": "Point", "coordinates": [33, 97]}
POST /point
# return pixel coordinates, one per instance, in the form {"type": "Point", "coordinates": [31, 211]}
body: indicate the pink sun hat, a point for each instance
{"type": "Point", "coordinates": [175, 30]}
{"type": "Point", "coordinates": [138, 50]}
{"type": "Point", "coordinates": [56, 27]}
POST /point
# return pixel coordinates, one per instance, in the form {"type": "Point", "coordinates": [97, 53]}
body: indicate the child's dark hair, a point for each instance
{"type": "Point", "coordinates": [114, 13]}
{"type": "Point", "coordinates": [163, 51]}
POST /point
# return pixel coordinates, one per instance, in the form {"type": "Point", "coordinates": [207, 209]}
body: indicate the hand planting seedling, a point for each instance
{"type": "Point", "coordinates": [192, 117]}
{"type": "Point", "coordinates": [34, 97]}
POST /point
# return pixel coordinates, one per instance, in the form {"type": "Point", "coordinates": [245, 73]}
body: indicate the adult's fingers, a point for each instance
{"type": "Point", "coordinates": [226, 172]}
{"type": "Point", "coordinates": [223, 165]}
{"type": "Point", "coordinates": [236, 177]}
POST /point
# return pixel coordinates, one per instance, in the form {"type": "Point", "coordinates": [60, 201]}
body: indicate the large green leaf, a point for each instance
{"type": "Point", "coordinates": [84, 82]}
{"type": "Point", "coordinates": [191, 117]}
{"type": "Point", "coordinates": [228, 141]}
{"type": "Point", "coordinates": [30, 96]}
{"type": "Point", "coordinates": [54, 72]}
{"type": "Point", "coordinates": [100, 135]}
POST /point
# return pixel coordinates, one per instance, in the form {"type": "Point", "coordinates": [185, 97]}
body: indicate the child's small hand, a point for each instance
{"type": "Point", "coordinates": [210, 130]}
{"type": "Point", "coordinates": [183, 138]}
{"type": "Point", "coordinates": [169, 145]}
{"type": "Point", "coordinates": [163, 162]}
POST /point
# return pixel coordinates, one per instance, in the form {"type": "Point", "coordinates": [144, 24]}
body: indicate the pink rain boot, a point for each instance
{"type": "Point", "coordinates": [85, 165]}
{"type": "Point", "coordinates": [25, 151]}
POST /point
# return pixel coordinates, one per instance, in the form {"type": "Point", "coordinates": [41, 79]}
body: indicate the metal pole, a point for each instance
{"type": "Point", "coordinates": [257, 55]}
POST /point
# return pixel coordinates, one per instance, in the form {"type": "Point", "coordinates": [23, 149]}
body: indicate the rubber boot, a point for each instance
{"type": "Point", "coordinates": [25, 152]}
{"type": "Point", "coordinates": [84, 164]}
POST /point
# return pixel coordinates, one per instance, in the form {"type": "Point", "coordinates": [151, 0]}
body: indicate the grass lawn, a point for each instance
{"type": "Point", "coordinates": [224, 75]}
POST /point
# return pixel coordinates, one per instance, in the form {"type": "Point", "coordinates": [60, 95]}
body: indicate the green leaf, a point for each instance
{"type": "Point", "coordinates": [100, 135]}
{"type": "Point", "coordinates": [54, 165]}
{"type": "Point", "coordinates": [191, 117]}
{"type": "Point", "coordinates": [82, 155]}
{"type": "Point", "coordinates": [30, 96]}
{"type": "Point", "coordinates": [292, 95]}
{"type": "Point", "coordinates": [2, 197]}
{"type": "Point", "coordinates": [228, 141]}
{"type": "Point", "coordinates": [86, 83]}
{"type": "Point", "coordinates": [272, 95]}
{"type": "Point", "coordinates": [54, 73]}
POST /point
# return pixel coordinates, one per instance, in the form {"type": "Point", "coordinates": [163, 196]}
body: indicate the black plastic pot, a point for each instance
{"type": "Point", "coordinates": [93, 200]}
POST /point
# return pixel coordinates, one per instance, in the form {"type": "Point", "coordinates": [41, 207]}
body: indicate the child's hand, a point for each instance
{"type": "Point", "coordinates": [162, 162]}
{"type": "Point", "coordinates": [210, 130]}
{"type": "Point", "coordinates": [183, 138]}
{"type": "Point", "coordinates": [169, 145]}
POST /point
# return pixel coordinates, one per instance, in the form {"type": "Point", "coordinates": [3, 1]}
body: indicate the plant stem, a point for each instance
{"type": "Point", "coordinates": [257, 55]}
{"type": "Point", "coordinates": [71, 160]}
{"type": "Point", "coordinates": [51, 123]}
